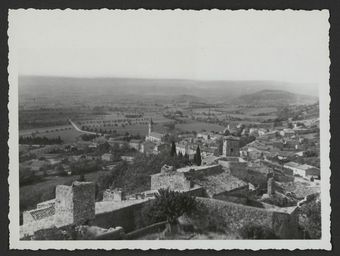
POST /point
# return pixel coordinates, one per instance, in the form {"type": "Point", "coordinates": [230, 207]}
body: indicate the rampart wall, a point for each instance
{"type": "Point", "coordinates": [63, 205]}
{"type": "Point", "coordinates": [232, 217]}
{"type": "Point", "coordinates": [126, 217]}
{"type": "Point", "coordinates": [130, 217]}
{"type": "Point", "coordinates": [215, 169]}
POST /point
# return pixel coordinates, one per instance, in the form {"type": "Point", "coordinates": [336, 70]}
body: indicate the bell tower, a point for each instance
{"type": "Point", "coordinates": [150, 126]}
{"type": "Point", "coordinates": [231, 146]}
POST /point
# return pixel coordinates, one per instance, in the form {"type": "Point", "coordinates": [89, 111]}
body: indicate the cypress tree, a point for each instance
{"type": "Point", "coordinates": [173, 149]}
{"type": "Point", "coordinates": [198, 159]}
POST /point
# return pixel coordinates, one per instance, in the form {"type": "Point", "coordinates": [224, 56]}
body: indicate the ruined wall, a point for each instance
{"type": "Point", "coordinates": [173, 181]}
{"type": "Point", "coordinates": [74, 204]}
{"type": "Point", "coordinates": [113, 195]}
{"type": "Point", "coordinates": [232, 217]}
{"type": "Point", "coordinates": [126, 217]}
{"type": "Point", "coordinates": [283, 178]}
{"type": "Point", "coordinates": [248, 175]}
{"type": "Point", "coordinates": [215, 169]}
{"type": "Point", "coordinates": [63, 205]}
{"type": "Point", "coordinates": [83, 202]}
{"type": "Point", "coordinates": [27, 217]}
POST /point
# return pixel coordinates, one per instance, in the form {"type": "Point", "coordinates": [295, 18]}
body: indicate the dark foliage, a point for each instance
{"type": "Point", "coordinates": [39, 140]}
{"type": "Point", "coordinates": [85, 166]}
{"type": "Point", "coordinates": [257, 232]}
{"type": "Point", "coordinates": [135, 177]}
{"type": "Point", "coordinates": [169, 205]}
{"type": "Point", "coordinates": [173, 149]}
{"type": "Point", "coordinates": [88, 137]}
{"type": "Point", "coordinates": [310, 219]}
{"type": "Point", "coordinates": [197, 157]}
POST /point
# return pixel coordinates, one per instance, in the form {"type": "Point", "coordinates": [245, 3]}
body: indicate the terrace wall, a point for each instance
{"type": "Point", "coordinates": [127, 217]}
{"type": "Point", "coordinates": [232, 217]}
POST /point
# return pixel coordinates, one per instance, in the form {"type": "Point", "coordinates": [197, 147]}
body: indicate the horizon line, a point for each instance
{"type": "Point", "coordinates": [163, 78]}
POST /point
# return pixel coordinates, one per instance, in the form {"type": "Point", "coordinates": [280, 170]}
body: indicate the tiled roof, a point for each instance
{"type": "Point", "coordinates": [42, 213]}
{"type": "Point", "coordinates": [292, 164]}
{"type": "Point", "coordinates": [222, 182]}
{"type": "Point", "coordinates": [156, 135]}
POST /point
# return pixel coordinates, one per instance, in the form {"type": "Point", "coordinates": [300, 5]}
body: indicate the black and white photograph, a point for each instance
{"type": "Point", "coordinates": [133, 128]}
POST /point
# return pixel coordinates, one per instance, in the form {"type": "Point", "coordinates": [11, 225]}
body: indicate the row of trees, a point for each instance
{"type": "Point", "coordinates": [39, 140]}
{"type": "Point", "coordinates": [197, 157]}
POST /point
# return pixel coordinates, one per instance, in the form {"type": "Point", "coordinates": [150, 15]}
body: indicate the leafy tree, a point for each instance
{"type": "Point", "coordinates": [135, 177]}
{"type": "Point", "coordinates": [169, 205]}
{"type": "Point", "coordinates": [103, 148]}
{"type": "Point", "coordinates": [197, 157]}
{"type": "Point", "coordinates": [173, 149]}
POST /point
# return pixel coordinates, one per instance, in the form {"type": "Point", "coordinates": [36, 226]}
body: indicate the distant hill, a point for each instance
{"type": "Point", "coordinates": [64, 90]}
{"type": "Point", "coordinates": [274, 98]}
{"type": "Point", "coordinates": [185, 98]}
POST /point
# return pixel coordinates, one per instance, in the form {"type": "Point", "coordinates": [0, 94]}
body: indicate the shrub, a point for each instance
{"type": "Point", "coordinates": [169, 205]}
{"type": "Point", "coordinates": [256, 232]}
{"type": "Point", "coordinates": [310, 219]}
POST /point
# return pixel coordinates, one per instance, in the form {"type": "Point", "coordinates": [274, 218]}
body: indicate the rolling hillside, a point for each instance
{"type": "Point", "coordinates": [274, 98]}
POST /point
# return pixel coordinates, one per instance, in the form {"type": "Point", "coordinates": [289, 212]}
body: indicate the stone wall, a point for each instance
{"type": "Point", "coordinates": [130, 217]}
{"type": "Point", "coordinates": [83, 202]}
{"type": "Point", "coordinates": [209, 170]}
{"type": "Point", "coordinates": [238, 192]}
{"type": "Point", "coordinates": [27, 217]}
{"type": "Point", "coordinates": [63, 205]}
{"type": "Point", "coordinates": [126, 217]}
{"type": "Point", "coordinates": [248, 175]}
{"type": "Point", "coordinates": [74, 204]}
{"type": "Point", "coordinates": [113, 195]}
{"type": "Point", "coordinates": [173, 181]}
{"type": "Point", "coordinates": [232, 217]}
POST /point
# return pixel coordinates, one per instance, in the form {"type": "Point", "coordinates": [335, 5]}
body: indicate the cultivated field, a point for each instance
{"type": "Point", "coordinates": [67, 133]}
{"type": "Point", "coordinates": [199, 126]}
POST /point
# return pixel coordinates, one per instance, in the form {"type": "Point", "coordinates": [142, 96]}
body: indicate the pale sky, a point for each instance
{"type": "Point", "coordinates": [287, 46]}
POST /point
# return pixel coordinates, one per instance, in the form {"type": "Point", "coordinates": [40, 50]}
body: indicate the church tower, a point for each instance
{"type": "Point", "coordinates": [231, 146]}
{"type": "Point", "coordinates": [150, 126]}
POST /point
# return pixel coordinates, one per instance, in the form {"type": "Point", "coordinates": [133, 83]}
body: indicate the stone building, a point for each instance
{"type": "Point", "coordinates": [231, 146]}
{"type": "Point", "coordinates": [213, 179]}
{"type": "Point", "coordinates": [271, 187]}
{"type": "Point", "coordinates": [107, 157]}
{"type": "Point", "coordinates": [74, 204]}
{"type": "Point", "coordinates": [115, 195]}
{"type": "Point", "coordinates": [170, 179]}
{"type": "Point", "coordinates": [153, 136]}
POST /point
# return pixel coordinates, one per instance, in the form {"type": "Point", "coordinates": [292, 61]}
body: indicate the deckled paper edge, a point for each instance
{"type": "Point", "coordinates": [13, 179]}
